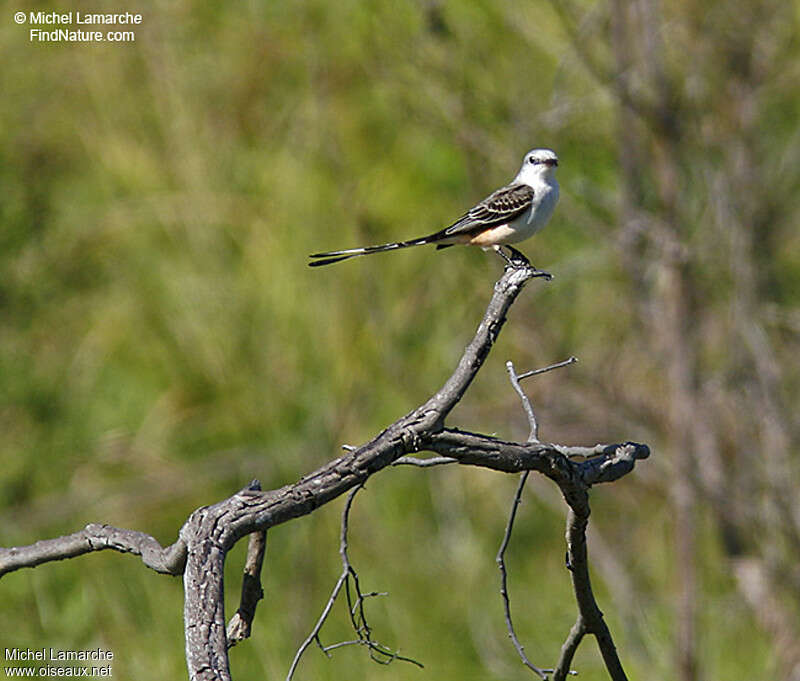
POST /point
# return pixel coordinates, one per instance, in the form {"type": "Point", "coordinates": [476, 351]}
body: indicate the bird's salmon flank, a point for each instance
{"type": "Point", "coordinates": [511, 214]}
{"type": "Point", "coordinates": [502, 234]}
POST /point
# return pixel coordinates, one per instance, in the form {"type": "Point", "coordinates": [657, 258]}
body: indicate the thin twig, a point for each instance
{"type": "Point", "coordinates": [526, 403]}
{"type": "Point", "coordinates": [314, 635]}
{"type": "Point", "coordinates": [355, 607]}
{"type": "Point", "coordinates": [355, 604]}
{"type": "Point", "coordinates": [501, 564]}
{"type": "Point", "coordinates": [533, 436]}
{"type": "Point", "coordinates": [557, 365]}
{"type": "Point", "coordinates": [375, 646]}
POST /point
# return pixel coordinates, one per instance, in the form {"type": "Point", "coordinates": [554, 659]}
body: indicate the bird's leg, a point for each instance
{"type": "Point", "coordinates": [498, 248]}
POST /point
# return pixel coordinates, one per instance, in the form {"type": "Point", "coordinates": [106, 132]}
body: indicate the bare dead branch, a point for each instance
{"type": "Point", "coordinates": [571, 468]}
{"type": "Point", "coordinates": [211, 531]}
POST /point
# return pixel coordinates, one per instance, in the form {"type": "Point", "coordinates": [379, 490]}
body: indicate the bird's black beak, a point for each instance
{"type": "Point", "coordinates": [551, 162]}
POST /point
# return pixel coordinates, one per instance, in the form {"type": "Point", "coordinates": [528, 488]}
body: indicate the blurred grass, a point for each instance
{"type": "Point", "coordinates": [162, 342]}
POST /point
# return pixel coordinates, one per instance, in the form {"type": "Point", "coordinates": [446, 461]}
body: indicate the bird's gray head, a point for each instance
{"type": "Point", "coordinates": [538, 165]}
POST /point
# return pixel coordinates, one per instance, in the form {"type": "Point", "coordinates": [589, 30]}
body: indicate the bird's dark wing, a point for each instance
{"type": "Point", "coordinates": [496, 209]}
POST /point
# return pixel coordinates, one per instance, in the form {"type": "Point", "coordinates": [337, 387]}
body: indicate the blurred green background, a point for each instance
{"type": "Point", "coordinates": [162, 341]}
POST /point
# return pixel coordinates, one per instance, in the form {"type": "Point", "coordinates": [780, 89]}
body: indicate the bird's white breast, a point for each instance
{"type": "Point", "coordinates": [541, 210]}
{"type": "Point", "coordinates": [544, 202]}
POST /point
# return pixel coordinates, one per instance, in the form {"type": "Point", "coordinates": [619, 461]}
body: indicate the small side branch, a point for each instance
{"type": "Point", "coordinates": [526, 403]}
{"type": "Point", "coordinates": [241, 623]}
{"type": "Point", "coordinates": [569, 648]}
{"type": "Point", "coordinates": [533, 436]}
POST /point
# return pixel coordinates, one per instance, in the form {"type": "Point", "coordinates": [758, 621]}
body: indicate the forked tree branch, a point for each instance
{"type": "Point", "coordinates": [210, 532]}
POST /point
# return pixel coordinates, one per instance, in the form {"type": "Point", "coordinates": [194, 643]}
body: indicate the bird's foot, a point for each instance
{"type": "Point", "coordinates": [517, 260]}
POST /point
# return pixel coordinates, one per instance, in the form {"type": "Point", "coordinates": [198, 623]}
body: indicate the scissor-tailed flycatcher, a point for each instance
{"type": "Point", "coordinates": [511, 214]}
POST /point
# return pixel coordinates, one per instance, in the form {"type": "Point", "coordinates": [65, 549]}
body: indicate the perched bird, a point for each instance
{"type": "Point", "coordinates": [510, 215]}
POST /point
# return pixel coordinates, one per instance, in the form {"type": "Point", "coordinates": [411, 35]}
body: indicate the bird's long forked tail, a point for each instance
{"type": "Point", "coordinates": [331, 257]}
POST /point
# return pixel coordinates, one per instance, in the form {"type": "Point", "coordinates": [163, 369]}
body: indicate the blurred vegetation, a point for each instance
{"type": "Point", "coordinates": [162, 341]}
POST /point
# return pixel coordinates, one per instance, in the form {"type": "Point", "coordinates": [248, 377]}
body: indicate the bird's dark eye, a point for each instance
{"type": "Point", "coordinates": [531, 160]}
